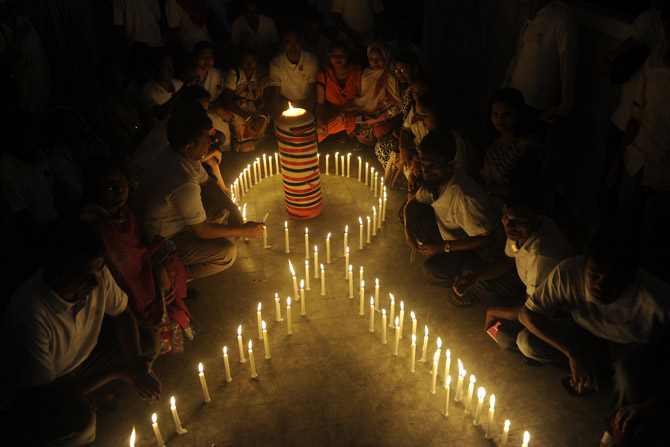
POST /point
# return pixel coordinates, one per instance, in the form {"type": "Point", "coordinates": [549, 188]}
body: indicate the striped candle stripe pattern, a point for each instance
{"type": "Point", "coordinates": [296, 138]}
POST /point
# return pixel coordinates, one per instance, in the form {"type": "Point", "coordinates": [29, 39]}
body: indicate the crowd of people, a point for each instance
{"type": "Point", "coordinates": [112, 211]}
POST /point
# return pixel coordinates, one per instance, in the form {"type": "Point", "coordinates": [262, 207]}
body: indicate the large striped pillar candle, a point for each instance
{"type": "Point", "coordinates": [296, 138]}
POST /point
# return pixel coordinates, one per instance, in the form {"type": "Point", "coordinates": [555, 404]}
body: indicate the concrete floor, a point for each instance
{"type": "Point", "coordinates": [332, 383]}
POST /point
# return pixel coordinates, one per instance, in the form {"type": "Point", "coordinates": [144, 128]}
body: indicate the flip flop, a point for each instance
{"type": "Point", "coordinates": [462, 301]}
{"type": "Point", "coordinates": [565, 383]}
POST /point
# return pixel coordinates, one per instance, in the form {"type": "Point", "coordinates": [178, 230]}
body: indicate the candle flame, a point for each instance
{"type": "Point", "coordinates": [259, 307]}
{"type": "Point", "coordinates": [263, 325]}
{"type": "Point", "coordinates": [347, 250]}
{"type": "Point", "coordinates": [239, 330]}
{"type": "Point", "coordinates": [460, 368]}
{"type": "Point", "coordinates": [425, 330]}
{"type": "Point", "coordinates": [225, 349]}
{"type": "Point", "coordinates": [360, 221]}
{"type": "Point", "coordinates": [402, 305]}
{"type": "Point", "coordinates": [288, 301]}
{"type": "Point", "coordinates": [286, 224]}
{"type": "Point", "coordinates": [526, 437]}
{"type": "Point", "coordinates": [293, 111]}
{"type": "Point", "coordinates": [413, 339]}
{"type": "Point", "coordinates": [392, 298]}
{"type": "Point", "coordinates": [351, 267]}
{"type": "Point", "coordinates": [200, 367]}
{"type": "Point", "coordinates": [384, 312]}
{"type": "Point", "coordinates": [321, 266]}
{"type": "Point", "coordinates": [507, 424]}
{"type": "Point", "coordinates": [368, 218]}
{"type": "Point", "coordinates": [249, 345]}
{"type": "Point", "coordinates": [154, 418]}
{"type": "Point", "coordinates": [411, 314]}
{"type": "Point", "coordinates": [439, 343]}
{"type": "Point", "coordinates": [302, 283]}
{"type": "Point", "coordinates": [492, 401]}
{"type": "Point", "coordinates": [361, 269]}
{"type": "Point", "coordinates": [172, 401]}
{"type": "Point", "coordinates": [306, 262]}
{"type": "Point", "coordinates": [372, 301]}
{"type": "Point", "coordinates": [346, 228]}
{"type": "Point", "coordinates": [448, 381]}
{"type": "Point", "coordinates": [290, 266]}
{"type": "Point", "coordinates": [276, 296]}
{"type": "Point", "coordinates": [359, 159]}
{"type": "Point", "coordinates": [481, 392]}
{"type": "Point", "coordinates": [376, 279]}
{"type": "Point", "coordinates": [397, 322]}
{"type": "Point", "coordinates": [328, 237]}
{"type": "Point", "coordinates": [306, 230]}
{"type": "Point", "coordinates": [316, 249]}
{"type": "Point", "coordinates": [132, 437]}
{"type": "Point", "coordinates": [472, 378]}
{"type": "Point", "coordinates": [374, 210]}
{"type": "Point", "coordinates": [436, 357]}
{"type": "Point", "coordinates": [244, 211]}
{"type": "Point", "coordinates": [448, 355]}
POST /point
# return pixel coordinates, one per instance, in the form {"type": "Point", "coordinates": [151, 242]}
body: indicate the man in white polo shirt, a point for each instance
{"type": "Point", "coordinates": [292, 76]}
{"type": "Point", "coordinates": [60, 350]}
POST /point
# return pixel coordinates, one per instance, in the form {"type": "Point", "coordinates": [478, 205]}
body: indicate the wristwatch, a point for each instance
{"type": "Point", "coordinates": [447, 247]}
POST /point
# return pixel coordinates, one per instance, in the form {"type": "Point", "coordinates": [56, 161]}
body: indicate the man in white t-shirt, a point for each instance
{"type": "Point", "coordinates": [60, 349]}
{"type": "Point", "coordinates": [357, 19]}
{"type": "Point", "coordinates": [450, 219]}
{"type": "Point", "coordinates": [255, 30]}
{"type": "Point", "coordinates": [138, 21]}
{"type": "Point", "coordinates": [169, 199]}
{"type": "Point", "coordinates": [292, 76]}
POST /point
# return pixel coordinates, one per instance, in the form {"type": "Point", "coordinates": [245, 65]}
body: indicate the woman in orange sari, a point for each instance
{"type": "Point", "coordinates": [337, 85]}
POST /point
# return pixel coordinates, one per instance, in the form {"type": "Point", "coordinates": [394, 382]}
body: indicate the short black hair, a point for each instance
{"type": "Point", "coordinates": [188, 121]}
{"type": "Point", "coordinates": [439, 142]}
{"type": "Point", "coordinates": [70, 238]}
{"type": "Point", "coordinates": [156, 56]}
{"type": "Point", "coordinates": [409, 58]}
{"type": "Point", "coordinates": [525, 198]}
{"type": "Point", "coordinates": [614, 250]}
{"type": "Point", "coordinates": [338, 43]}
{"type": "Point", "coordinates": [435, 101]}
{"type": "Point", "coordinates": [202, 45]}
{"type": "Point", "coordinates": [93, 169]}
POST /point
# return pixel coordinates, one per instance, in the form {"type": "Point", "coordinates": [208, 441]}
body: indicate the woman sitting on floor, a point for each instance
{"type": "Point", "coordinates": [337, 85]}
{"type": "Point", "coordinates": [243, 95]}
{"type": "Point", "coordinates": [152, 275]}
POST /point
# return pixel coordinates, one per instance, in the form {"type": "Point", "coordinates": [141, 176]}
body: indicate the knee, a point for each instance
{"type": "Point", "coordinates": [431, 271]}
{"type": "Point", "coordinates": [77, 428]}
{"type": "Point", "coordinates": [524, 342]}
{"type": "Point", "coordinates": [507, 340]}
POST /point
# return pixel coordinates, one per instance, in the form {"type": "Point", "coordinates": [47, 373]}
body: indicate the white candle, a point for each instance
{"type": "Point", "coordinates": [328, 249]}
{"type": "Point", "coordinates": [381, 211]}
{"type": "Point", "coordinates": [265, 237]}
{"type": "Point", "coordinates": [289, 326]}
{"type": "Point", "coordinates": [392, 315]}
{"type": "Point", "coordinates": [266, 341]}
{"type": "Point", "coordinates": [411, 314]}
{"type": "Point", "coordinates": [368, 233]}
{"type": "Point", "coordinates": [471, 390]}
{"type": "Point", "coordinates": [366, 172]}
{"type": "Point", "coordinates": [505, 433]}
{"type": "Point", "coordinates": [226, 364]}
{"type": "Point", "coordinates": [459, 385]}
{"type": "Point", "coordinates": [343, 173]}
{"type": "Point", "coordinates": [383, 326]}
{"type": "Point", "coordinates": [239, 344]}
{"type": "Point", "coordinates": [157, 431]}
{"type": "Point", "coordinates": [374, 221]}
{"type": "Point", "coordinates": [412, 361]}
{"type": "Point", "coordinates": [397, 337]}
{"type": "Point", "coordinates": [425, 344]}
{"type": "Point", "coordinates": [316, 262]}
{"type": "Point", "coordinates": [351, 282]}
{"type": "Point", "coordinates": [372, 171]}
{"type": "Point", "coordinates": [255, 176]}
{"type": "Point", "coordinates": [360, 166]}
{"type": "Point", "coordinates": [346, 263]}
{"type": "Point", "coordinates": [244, 218]}
{"type": "Point", "coordinates": [337, 161]}
{"type": "Point", "coordinates": [240, 185]}
{"type": "Point", "coordinates": [346, 237]}
{"type": "Point", "coordinates": [270, 165]}
{"type": "Point", "coordinates": [203, 383]}
{"type": "Point", "coordinates": [265, 165]}
{"type": "Point", "coordinates": [277, 307]}
{"type": "Point", "coordinates": [526, 439]}
{"type": "Point", "coordinates": [327, 155]}
{"type": "Point", "coordinates": [302, 298]}
{"type": "Point", "coordinates": [277, 162]}
{"type": "Point", "coordinates": [306, 243]}
{"type": "Point", "coordinates": [360, 233]}
{"type": "Point", "coordinates": [248, 176]}
{"type": "Point", "coordinates": [259, 318]}
{"type": "Point", "coordinates": [376, 293]}
{"type": "Point", "coordinates": [372, 314]}
{"type": "Point", "coordinates": [361, 294]}
{"type": "Point", "coordinates": [384, 212]}
{"type": "Point", "coordinates": [349, 165]}
{"type": "Point", "coordinates": [175, 416]}
{"type": "Point", "coordinates": [295, 280]}
{"type": "Point", "coordinates": [447, 365]}
{"type": "Point", "coordinates": [402, 317]}
{"type": "Point", "coordinates": [376, 184]}
{"type": "Point", "coordinates": [481, 393]}
{"type": "Point", "coordinates": [286, 237]}
{"type": "Point", "coordinates": [447, 389]}
{"type": "Point", "coordinates": [323, 281]}
{"type": "Point", "coordinates": [438, 342]}
{"type": "Point", "coordinates": [307, 287]}
{"type": "Point", "coordinates": [360, 275]}
{"type": "Point", "coordinates": [492, 405]}
{"type": "Point", "coordinates": [252, 364]}
{"type": "Point", "coordinates": [433, 382]}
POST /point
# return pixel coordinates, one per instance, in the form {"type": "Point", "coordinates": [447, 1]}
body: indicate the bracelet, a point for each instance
{"type": "Point", "coordinates": [447, 247]}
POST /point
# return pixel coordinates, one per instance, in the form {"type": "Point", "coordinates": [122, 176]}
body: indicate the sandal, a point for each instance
{"type": "Point", "coordinates": [463, 301]}
{"type": "Point", "coordinates": [565, 383]}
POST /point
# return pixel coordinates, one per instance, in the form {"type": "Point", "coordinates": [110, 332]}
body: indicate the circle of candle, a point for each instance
{"type": "Point", "coordinates": [307, 275]}
{"type": "Point", "coordinates": [526, 439]}
{"type": "Point", "coordinates": [302, 298]}
{"type": "Point", "coordinates": [295, 280]}
{"type": "Point", "coordinates": [351, 282]}
{"type": "Point", "coordinates": [288, 250]}
{"type": "Point", "coordinates": [277, 307]}
{"type": "Point", "coordinates": [392, 315]}
{"type": "Point", "coordinates": [289, 326]}
{"type": "Point", "coordinates": [226, 364]}
{"type": "Point", "coordinates": [505, 433]}
{"type": "Point", "coordinates": [481, 392]}
{"type": "Point", "coordinates": [323, 281]}
{"type": "Point", "coordinates": [337, 160]}
{"type": "Point", "coordinates": [328, 249]}
{"type": "Point", "coordinates": [203, 384]}
{"type": "Point", "coordinates": [424, 349]}
{"type": "Point", "coordinates": [447, 365]}
{"type": "Point", "coordinates": [447, 389]}
{"type": "Point", "coordinates": [374, 221]}
{"type": "Point", "coordinates": [471, 390]}
{"type": "Point", "coordinates": [346, 237]}
{"type": "Point", "coordinates": [433, 382]}
{"type": "Point", "coordinates": [372, 314]}
{"type": "Point", "coordinates": [412, 354]}
{"type": "Point", "coordinates": [366, 172]}
{"type": "Point", "coordinates": [367, 240]}
{"type": "Point", "coordinates": [489, 426]}
{"type": "Point", "coordinates": [413, 316]}
{"type": "Point", "coordinates": [346, 263]}
{"type": "Point", "coordinates": [306, 243]}
{"type": "Point", "coordinates": [252, 364]}
{"type": "Point", "coordinates": [397, 337]}
{"type": "Point", "coordinates": [360, 233]}
{"type": "Point", "coordinates": [316, 262]}
{"type": "Point", "coordinates": [402, 317]}
{"type": "Point", "coordinates": [175, 416]}
{"type": "Point", "coordinates": [132, 437]}
{"type": "Point", "coordinates": [266, 341]}
{"type": "Point", "coordinates": [157, 431]}
{"type": "Point", "coordinates": [459, 385]}
{"type": "Point", "coordinates": [360, 165]}
{"type": "Point", "coordinates": [240, 345]}
{"type": "Point", "coordinates": [361, 311]}
{"type": "Point", "coordinates": [327, 155]}
{"type": "Point", "coordinates": [384, 327]}
{"type": "Point", "coordinates": [259, 318]}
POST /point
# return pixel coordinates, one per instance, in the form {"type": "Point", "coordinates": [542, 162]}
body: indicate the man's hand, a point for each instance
{"type": "Point", "coordinates": [137, 372]}
{"type": "Point", "coordinates": [632, 418]}
{"type": "Point", "coordinates": [429, 250]}
{"type": "Point", "coordinates": [405, 156]}
{"type": "Point", "coordinates": [411, 240]}
{"type": "Point", "coordinates": [321, 129]}
{"type": "Point", "coordinates": [464, 282]}
{"type": "Point", "coordinates": [225, 115]}
{"type": "Point", "coordinates": [252, 230]}
{"type": "Point", "coordinates": [582, 371]}
{"type": "Point", "coordinates": [235, 218]}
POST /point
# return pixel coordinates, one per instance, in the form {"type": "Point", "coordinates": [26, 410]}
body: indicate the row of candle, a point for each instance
{"type": "Point", "coordinates": [251, 175]}
{"type": "Point", "coordinates": [370, 172]}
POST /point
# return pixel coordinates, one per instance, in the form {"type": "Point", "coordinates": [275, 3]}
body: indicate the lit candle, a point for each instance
{"type": "Point", "coordinates": [295, 280]}
{"type": "Point", "coordinates": [436, 359]}
{"type": "Point", "coordinates": [277, 307]}
{"type": "Point", "coordinates": [346, 263]}
{"type": "Point", "coordinates": [175, 416]}
{"type": "Point", "coordinates": [327, 155]}
{"type": "Point", "coordinates": [368, 234]}
{"type": "Point", "coordinates": [438, 342]}
{"type": "Point", "coordinates": [241, 184]}
{"type": "Point", "coordinates": [265, 165]}
{"type": "Point", "coordinates": [505, 434]}
{"type": "Point", "coordinates": [492, 405]}
{"type": "Point", "coordinates": [366, 172]}
{"type": "Point", "coordinates": [384, 327]}
{"type": "Point", "coordinates": [346, 237]}
{"type": "Point", "coordinates": [255, 176]}
{"type": "Point", "coordinates": [270, 165]}
{"type": "Point", "coordinates": [328, 249]}
{"type": "Point", "coordinates": [459, 386]}
{"type": "Point", "coordinates": [412, 361]}
{"type": "Point", "coordinates": [203, 383]}
{"type": "Point", "coordinates": [526, 439]}
{"type": "Point", "coordinates": [402, 317]}
{"type": "Point", "coordinates": [226, 364]}
{"type": "Point", "coordinates": [360, 166]}
{"type": "Point", "coordinates": [289, 326]}
{"type": "Point", "coordinates": [447, 366]}
{"type": "Point", "coordinates": [372, 171]}
{"type": "Point", "coordinates": [376, 185]}
{"type": "Point", "coordinates": [252, 364]}
{"type": "Point", "coordinates": [351, 282]}
{"type": "Point", "coordinates": [306, 243]}
{"type": "Point", "coordinates": [376, 293]}
{"type": "Point", "coordinates": [397, 337]}
{"type": "Point", "coordinates": [360, 233]}
{"type": "Point", "coordinates": [323, 281]}
{"type": "Point", "coordinates": [307, 287]}
{"type": "Point", "coordinates": [258, 168]}
{"type": "Point", "coordinates": [248, 176]}
{"type": "Point", "coordinates": [481, 393]}
{"type": "Point", "coordinates": [132, 437]}
{"type": "Point", "coordinates": [286, 237]}
{"type": "Point", "coordinates": [392, 315]}
{"type": "Point", "coordinates": [379, 219]}
{"type": "Point", "coordinates": [349, 165]}
{"type": "Point", "coordinates": [259, 318]}
{"type": "Point", "coordinates": [302, 298]}
{"type": "Point", "coordinates": [471, 390]}
{"type": "Point", "coordinates": [316, 262]}
{"type": "Point", "coordinates": [337, 161]}
{"type": "Point", "coordinates": [277, 162]}
{"type": "Point", "coordinates": [384, 212]}
{"type": "Point", "coordinates": [343, 173]}
{"type": "Point", "coordinates": [411, 314]}
{"type": "Point", "coordinates": [239, 344]}
{"type": "Point", "coordinates": [447, 389]}
{"type": "Point", "coordinates": [372, 314]}
{"type": "Point", "coordinates": [360, 275]}
{"type": "Point", "coordinates": [361, 294]}
{"type": "Point", "coordinates": [157, 431]}
{"type": "Point", "coordinates": [374, 221]}
{"type": "Point", "coordinates": [266, 341]}
{"type": "Point", "coordinates": [425, 344]}
{"type": "Point", "coordinates": [265, 237]}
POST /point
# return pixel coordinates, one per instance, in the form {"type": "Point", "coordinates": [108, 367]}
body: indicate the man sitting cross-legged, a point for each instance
{"type": "Point", "coordinates": [450, 219]}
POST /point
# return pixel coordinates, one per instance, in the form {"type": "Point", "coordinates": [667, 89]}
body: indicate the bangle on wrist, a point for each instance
{"type": "Point", "coordinates": [447, 246]}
